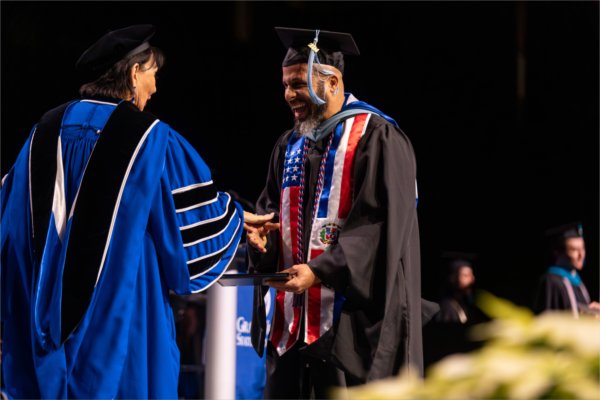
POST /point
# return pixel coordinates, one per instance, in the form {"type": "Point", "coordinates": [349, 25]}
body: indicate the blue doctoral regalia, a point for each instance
{"type": "Point", "coordinates": [105, 210]}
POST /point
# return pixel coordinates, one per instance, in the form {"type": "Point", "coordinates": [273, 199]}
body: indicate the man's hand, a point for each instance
{"type": "Point", "coordinates": [257, 228]}
{"type": "Point", "coordinates": [301, 279]}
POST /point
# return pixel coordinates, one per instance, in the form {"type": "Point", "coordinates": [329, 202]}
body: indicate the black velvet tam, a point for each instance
{"type": "Point", "coordinates": [112, 47]}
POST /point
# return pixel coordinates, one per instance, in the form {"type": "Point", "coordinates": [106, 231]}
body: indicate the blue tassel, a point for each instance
{"type": "Point", "coordinates": [311, 59]}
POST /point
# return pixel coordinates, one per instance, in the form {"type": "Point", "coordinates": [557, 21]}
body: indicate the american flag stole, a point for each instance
{"type": "Point", "coordinates": [333, 201]}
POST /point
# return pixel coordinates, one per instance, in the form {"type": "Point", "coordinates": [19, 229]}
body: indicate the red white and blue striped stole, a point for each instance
{"type": "Point", "coordinates": [333, 201]}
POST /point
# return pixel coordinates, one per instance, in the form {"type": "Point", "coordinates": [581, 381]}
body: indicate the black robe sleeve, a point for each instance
{"type": "Point", "coordinates": [268, 202]}
{"type": "Point", "coordinates": [258, 262]}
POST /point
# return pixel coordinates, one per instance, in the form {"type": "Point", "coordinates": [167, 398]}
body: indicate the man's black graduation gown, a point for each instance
{"type": "Point", "coordinates": [376, 262]}
{"type": "Point", "coordinates": [552, 294]}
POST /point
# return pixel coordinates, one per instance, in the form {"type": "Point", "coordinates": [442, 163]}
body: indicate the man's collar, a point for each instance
{"type": "Point", "coordinates": [327, 125]}
{"type": "Point", "coordinates": [349, 99]}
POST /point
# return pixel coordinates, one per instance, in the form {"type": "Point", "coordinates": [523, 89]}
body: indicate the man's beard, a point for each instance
{"type": "Point", "coordinates": [315, 117]}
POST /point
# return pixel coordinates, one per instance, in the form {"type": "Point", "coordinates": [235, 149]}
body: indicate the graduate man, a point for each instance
{"type": "Point", "coordinates": [105, 210]}
{"type": "Point", "coordinates": [343, 183]}
{"type": "Point", "coordinates": [561, 287]}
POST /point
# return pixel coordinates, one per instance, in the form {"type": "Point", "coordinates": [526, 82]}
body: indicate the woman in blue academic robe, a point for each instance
{"type": "Point", "coordinates": [106, 209]}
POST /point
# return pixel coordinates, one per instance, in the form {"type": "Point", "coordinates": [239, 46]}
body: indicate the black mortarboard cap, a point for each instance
{"type": "Point", "coordinates": [332, 46]}
{"type": "Point", "coordinates": [453, 260]}
{"type": "Point", "coordinates": [114, 46]}
{"type": "Point", "coordinates": [556, 235]}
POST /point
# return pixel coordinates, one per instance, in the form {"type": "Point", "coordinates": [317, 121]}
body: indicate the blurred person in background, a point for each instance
{"type": "Point", "coordinates": [457, 304]}
{"type": "Point", "coordinates": [561, 287]}
{"type": "Point", "coordinates": [448, 332]}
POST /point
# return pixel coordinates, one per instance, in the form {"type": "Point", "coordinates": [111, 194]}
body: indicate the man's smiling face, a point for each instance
{"type": "Point", "coordinates": [307, 115]}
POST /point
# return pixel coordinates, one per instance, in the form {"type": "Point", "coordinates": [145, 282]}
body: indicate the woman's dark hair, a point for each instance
{"type": "Point", "coordinates": [115, 82]}
{"type": "Point", "coordinates": [453, 271]}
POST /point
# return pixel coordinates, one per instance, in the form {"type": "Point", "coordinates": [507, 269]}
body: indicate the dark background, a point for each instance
{"type": "Point", "coordinates": [496, 164]}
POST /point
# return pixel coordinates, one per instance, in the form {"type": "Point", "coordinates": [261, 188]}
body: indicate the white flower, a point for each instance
{"type": "Point", "coordinates": [526, 357]}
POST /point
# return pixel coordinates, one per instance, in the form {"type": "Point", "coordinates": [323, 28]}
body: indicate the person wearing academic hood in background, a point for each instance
{"type": "Point", "coordinates": [561, 287]}
{"type": "Point", "coordinates": [342, 182]}
{"type": "Point", "coordinates": [106, 209]}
